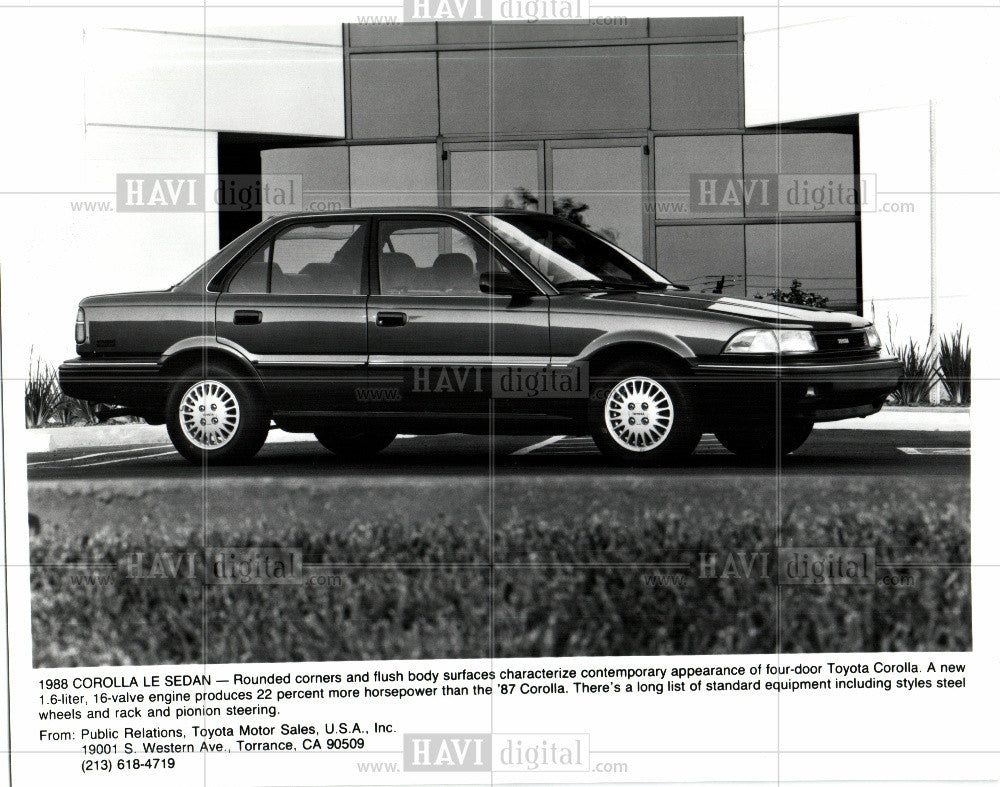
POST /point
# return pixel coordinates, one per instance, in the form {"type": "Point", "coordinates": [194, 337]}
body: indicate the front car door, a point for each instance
{"type": "Point", "coordinates": [296, 306]}
{"type": "Point", "coordinates": [433, 334]}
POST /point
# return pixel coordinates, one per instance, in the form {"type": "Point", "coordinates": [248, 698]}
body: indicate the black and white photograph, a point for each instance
{"type": "Point", "coordinates": [553, 349]}
{"type": "Point", "coordinates": [444, 340]}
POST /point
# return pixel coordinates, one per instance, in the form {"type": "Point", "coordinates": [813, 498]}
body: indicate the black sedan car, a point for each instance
{"type": "Point", "coordinates": [363, 324]}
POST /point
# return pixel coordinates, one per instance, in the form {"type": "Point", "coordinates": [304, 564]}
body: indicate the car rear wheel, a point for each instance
{"type": "Point", "coordinates": [640, 414]}
{"type": "Point", "coordinates": [765, 442]}
{"type": "Point", "coordinates": [355, 444]}
{"type": "Point", "coordinates": [215, 416]}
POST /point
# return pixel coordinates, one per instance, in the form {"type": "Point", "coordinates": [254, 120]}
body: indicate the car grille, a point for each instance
{"type": "Point", "coordinates": [841, 341]}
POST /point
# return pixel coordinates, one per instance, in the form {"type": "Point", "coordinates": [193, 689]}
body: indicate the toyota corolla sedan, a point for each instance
{"type": "Point", "coordinates": [360, 325]}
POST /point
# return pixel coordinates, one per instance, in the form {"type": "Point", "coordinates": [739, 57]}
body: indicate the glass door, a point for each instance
{"type": "Point", "coordinates": [498, 175]}
{"type": "Point", "coordinates": [600, 184]}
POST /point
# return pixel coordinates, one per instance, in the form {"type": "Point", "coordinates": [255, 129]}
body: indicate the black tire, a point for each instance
{"type": "Point", "coordinates": [682, 432]}
{"type": "Point", "coordinates": [252, 418]}
{"type": "Point", "coordinates": [354, 444]}
{"type": "Point", "coordinates": [765, 442]}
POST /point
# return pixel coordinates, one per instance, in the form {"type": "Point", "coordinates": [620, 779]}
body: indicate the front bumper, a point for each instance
{"type": "Point", "coordinates": [808, 389]}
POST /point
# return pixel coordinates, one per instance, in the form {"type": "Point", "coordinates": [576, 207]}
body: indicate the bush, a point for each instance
{"type": "Point", "coordinates": [43, 401]}
{"type": "Point", "coordinates": [797, 296]}
{"type": "Point", "coordinates": [45, 404]}
{"type": "Point", "coordinates": [919, 374]}
{"type": "Point", "coordinates": [919, 370]}
{"type": "Point", "coordinates": [955, 366]}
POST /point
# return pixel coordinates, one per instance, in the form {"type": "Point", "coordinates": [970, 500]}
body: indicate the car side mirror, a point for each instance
{"type": "Point", "coordinates": [503, 283]}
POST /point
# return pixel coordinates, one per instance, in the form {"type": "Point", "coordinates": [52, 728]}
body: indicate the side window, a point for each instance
{"type": "Point", "coordinates": [431, 257]}
{"type": "Point", "coordinates": [251, 278]}
{"type": "Point", "coordinates": [307, 259]}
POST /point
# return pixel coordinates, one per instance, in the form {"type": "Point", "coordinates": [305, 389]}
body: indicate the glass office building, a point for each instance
{"type": "Point", "coordinates": [634, 128]}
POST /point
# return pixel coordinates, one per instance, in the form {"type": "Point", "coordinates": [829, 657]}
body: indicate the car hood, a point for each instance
{"type": "Point", "coordinates": [761, 311]}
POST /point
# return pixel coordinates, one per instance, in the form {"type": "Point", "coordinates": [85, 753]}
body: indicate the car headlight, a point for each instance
{"type": "Point", "coordinates": [872, 337]}
{"type": "Point", "coordinates": [81, 327]}
{"type": "Point", "coordinates": [772, 340]}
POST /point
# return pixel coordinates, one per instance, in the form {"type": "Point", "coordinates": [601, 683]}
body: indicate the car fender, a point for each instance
{"type": "Point", "coordinates": [202, 343]}
{"type": "Point", "coordinates": [653, 339]}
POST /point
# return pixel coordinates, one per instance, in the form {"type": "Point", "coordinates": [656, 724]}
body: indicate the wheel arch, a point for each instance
{"type": "Point", "coordinates": [602, 357]}
{"type": "Point", "coordinates": [207, 350]}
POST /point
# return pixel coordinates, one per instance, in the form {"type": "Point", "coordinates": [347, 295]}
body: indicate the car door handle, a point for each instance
{"type": "Point", "coordinates": [247, 317]}
{"type": "Point", "coordinates": [390, 319]}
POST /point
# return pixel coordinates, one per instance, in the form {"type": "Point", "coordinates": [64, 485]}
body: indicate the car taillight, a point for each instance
{"type": "Point", "coordinates": [81, 327]}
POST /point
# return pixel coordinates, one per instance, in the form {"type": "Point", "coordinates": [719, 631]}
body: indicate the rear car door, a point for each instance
{"type": "Point", "coordinates": [296, 305]}
{"type": "Point", "coordinates": [432, 333]}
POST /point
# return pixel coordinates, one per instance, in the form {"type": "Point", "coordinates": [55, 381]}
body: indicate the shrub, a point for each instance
{"type": "Point", "coordinates": [43, 401]}
{"type": "Point", "coordinates": [955, 366]}
{"type": "Point", "coordinates": [919, 371]}
{"type": "Point", "coordinates": [797, 296]}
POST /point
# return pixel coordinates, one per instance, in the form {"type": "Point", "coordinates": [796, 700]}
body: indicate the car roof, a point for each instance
{"type": "Point", "coordinates": [412, 209]}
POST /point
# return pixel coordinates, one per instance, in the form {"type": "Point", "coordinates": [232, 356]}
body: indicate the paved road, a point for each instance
{"type": "Point", "coordinates": [827, 452]}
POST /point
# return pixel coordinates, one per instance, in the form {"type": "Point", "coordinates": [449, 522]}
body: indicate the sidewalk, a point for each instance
{"type": "Point", "coordinates": [112, 435]}
{"type": "Point", "coordinates": [909, 419]}
{"type": "Point", "coordinates": [914, 419]}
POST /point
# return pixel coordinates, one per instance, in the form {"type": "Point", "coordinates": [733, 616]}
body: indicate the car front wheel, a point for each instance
{"type": "Point", "coordinates": [355, 445]}
{"type": "Point", "coordinates": [765, 442]}
{"type": "Point", "coordinates": [215, 416]}
{"type": "Point", "coordinates": [640, 415]}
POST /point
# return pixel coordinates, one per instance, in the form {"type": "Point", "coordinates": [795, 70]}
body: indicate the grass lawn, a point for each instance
{"type": "Point", "coordinates": [408, 569]}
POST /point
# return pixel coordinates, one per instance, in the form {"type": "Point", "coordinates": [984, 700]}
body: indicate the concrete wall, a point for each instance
{"type": "Point", "coordinates": [137, 91]}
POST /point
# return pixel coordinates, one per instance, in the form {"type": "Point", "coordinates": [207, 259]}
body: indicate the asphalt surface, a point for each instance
{"type": "Point", "coordinates": [827, 452]}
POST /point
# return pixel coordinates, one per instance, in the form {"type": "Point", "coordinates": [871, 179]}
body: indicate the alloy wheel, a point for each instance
{"type": "Point", "coordinates": [209, 414]}
{"type": "Point", "coordinates": [639, 413]}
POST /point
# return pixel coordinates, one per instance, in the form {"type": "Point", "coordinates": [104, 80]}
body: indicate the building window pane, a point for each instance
{"type": "Point", "coordinates": [392, 35]}
{"type": "Point", "coordinates": [544, 90]}
{"type": "Point", "coordinates": [694, 26]}
{"type": "Point", "coordinates": [815, 172]}
{"type": "Point", "coordinates": [696, 86]}
{"type": "Point", "coordinates": [323, 173]}
{"type": "Point", "coordinates": [679, 158]}
{"type": "Point", "coordinates": [502, 178]}
{"type": "Point", "coordinates": [705, 258]}
{"type": "Point", "coordinates": [394, 95]}
{"type": "Point", "coordinates": [386, 175]}
{"type": "Point", "coordinates": [602, 189]}
{"type": "Point", "coordinates": [821, 256]}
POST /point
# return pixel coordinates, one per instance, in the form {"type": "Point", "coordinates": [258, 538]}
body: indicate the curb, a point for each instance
{"type": "Point", "coordinates": [909, 419]}
{"type": "Point", "coordinates": [37, 441]}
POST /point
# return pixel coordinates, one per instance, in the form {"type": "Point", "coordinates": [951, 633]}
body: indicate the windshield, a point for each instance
{"type": "Point", "coordinates": [570, 256]}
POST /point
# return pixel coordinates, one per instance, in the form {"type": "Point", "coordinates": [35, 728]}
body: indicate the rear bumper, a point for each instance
{"type": "Point", "coordinates": [127, 383]}
{"type": "Point", "coordinates": [812, 390]}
